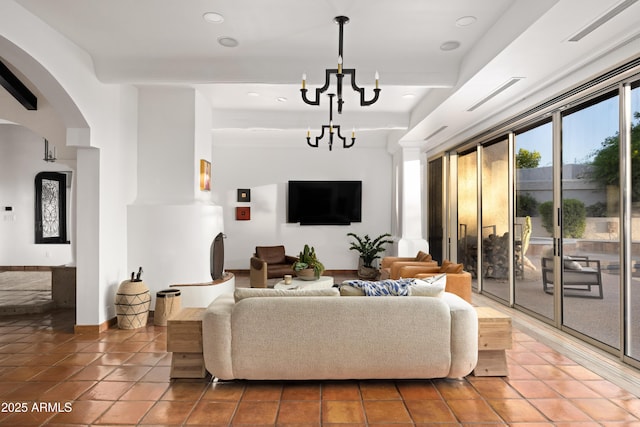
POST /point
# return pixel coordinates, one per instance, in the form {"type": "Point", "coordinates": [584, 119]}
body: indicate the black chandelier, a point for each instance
{"type": "Point", "coordinates": [333, 130]}
{"type": "Point", "coordinates": [340, 72]}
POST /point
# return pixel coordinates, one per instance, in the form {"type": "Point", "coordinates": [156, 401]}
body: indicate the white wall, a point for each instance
{"type": "Point", "coordinates": [100, 120]}
{"type": "Point", "coordinates": [21, 153]}
{"type": "Point", "coordinates": [245, 162]}
{"type": "Point", "coordinates": [172, 223]}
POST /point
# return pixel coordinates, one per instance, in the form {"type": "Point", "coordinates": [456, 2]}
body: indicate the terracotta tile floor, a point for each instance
{"type": "Point", "coordinates": [49, 376]}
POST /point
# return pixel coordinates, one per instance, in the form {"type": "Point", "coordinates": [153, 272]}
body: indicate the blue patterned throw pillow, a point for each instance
{"type": "Point", "coordinates": [388, 287]}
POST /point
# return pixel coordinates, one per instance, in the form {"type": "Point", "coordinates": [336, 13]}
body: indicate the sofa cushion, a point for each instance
{"type": "Point", "coordinates": [242, 293]}
{"type": "Point", "coordinates": [271, 254]}
{"type": "Point", "coordinates": [455, 269]}
{"type": "Point", "coordinates": [449, 267]}
{"type": "Point", "coordinates": [429, 287]}
{"type": "Point", "coordinates": [423, 256]}
{"type": "Point", "coordinates": [571, 264]}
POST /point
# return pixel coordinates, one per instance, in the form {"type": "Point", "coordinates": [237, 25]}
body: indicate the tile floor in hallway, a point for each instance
{"type": "Point", "coordinates": [49, 376]}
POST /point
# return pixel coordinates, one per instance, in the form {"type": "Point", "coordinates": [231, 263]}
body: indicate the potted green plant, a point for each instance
{"type": "Point", "coordinates": [308, 266]}
{"type": "Point", "coordinates": [369, 251]}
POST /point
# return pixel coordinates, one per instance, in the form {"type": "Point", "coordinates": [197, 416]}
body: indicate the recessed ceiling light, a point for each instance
{"type": "Point", "coordinates": [450, 45]}
{"type": "Point", "coordinates": [465, 21]}
{"type": "Point", "coordinates": [228, 41]}
{"type": "Point", "coordinates": [281, 99]}
{"type": "Point", "coordinates": [408, 96]}
{"type": "Point", "coordinates": [213, 17]}
{"type": "Point", "coordinates": [254, 94]}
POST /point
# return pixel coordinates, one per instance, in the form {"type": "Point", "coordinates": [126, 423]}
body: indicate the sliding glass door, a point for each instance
{"type": "Point", "coordinates": [590, 215]}
{"type": "Point", "coordinates": [495, 219]}
{"type": "Point", "coordinates": [533, 243]}
{"type": "Point", "coordinates": [567, 249]}
{"type": "Point", "coordinates": [467, 208]}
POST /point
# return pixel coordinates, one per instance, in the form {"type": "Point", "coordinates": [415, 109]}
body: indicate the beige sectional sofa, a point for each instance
{"type": "Point", "coordinates": [264, 334]}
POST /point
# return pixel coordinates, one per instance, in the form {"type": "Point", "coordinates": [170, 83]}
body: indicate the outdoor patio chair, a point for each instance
{"type": "Point", "coordinates": [579, 275]}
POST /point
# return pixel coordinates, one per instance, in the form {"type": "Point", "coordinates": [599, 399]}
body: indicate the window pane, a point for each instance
{"type": "Point", "coordinates": [590, 221]}
{"type": "Point", "coordinates": [468, 213]}
{"type": "Point", "coordinates": [495, 220]}
{"type": "Point", "coordinates": [534, 187]}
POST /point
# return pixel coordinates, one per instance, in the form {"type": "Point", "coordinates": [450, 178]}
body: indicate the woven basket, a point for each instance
{"type": "Point", "coordinates": [132, 304]}
{"type": "Point", "coordinates": [168, 303]}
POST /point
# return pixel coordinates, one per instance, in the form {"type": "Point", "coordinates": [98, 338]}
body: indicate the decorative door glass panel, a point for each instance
{"type": "Point", "coordinates": [51, 207]}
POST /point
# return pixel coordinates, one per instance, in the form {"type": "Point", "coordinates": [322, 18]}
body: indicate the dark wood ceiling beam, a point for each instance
{"type": "Point", "coordinates": [17, 89]}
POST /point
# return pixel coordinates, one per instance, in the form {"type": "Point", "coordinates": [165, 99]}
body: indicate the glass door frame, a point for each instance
{"type": "Point", "coordinates": [623, 81]}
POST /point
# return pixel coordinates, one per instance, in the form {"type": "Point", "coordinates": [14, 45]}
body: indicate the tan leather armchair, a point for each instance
{"type": "Point", "coordinates": [269, 262]}
{"type": "Point", "coordinates": [390, 266]}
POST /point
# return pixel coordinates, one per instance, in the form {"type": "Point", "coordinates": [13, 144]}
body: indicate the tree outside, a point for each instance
{"type": "Point", "coordinates": [526, 159]}
{"type": "Point", "coordinates": [606, 162]}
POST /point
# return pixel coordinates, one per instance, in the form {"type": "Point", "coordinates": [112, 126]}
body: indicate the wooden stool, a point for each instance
{"type": "Point", "coordinates": [494, 337]}
{"type": "Point", "coordinates": [184, 339]}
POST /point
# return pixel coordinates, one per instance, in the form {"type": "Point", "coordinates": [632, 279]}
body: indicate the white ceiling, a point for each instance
{"type": "Point", "coordinates": [168, 42]}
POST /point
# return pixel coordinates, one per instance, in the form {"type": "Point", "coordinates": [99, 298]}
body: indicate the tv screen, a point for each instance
{"type": "Point", "coordinates": [324, 202]}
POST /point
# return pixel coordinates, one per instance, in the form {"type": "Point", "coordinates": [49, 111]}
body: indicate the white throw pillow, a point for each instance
{"type": "Point", "coordinates": [571, 264]}
{"type": "Point", "coordinates": [429, 287]}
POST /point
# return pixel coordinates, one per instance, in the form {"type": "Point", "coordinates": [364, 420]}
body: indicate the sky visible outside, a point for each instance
{"type": "Point", "coordinates": [583, 132]}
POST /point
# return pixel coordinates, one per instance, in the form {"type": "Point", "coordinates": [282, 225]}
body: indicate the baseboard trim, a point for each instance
{"type": "Point", "coordinates": [95, 329]}
{"type": "Point", "coordinates": [25, 268]}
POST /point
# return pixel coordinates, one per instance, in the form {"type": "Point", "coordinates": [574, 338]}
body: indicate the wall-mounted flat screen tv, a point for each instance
{"type": "Point", "coordinates": [324, 202]}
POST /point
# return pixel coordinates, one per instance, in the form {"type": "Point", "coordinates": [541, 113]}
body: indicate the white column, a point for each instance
{"type": "Point", "coordinates": [412, 239]}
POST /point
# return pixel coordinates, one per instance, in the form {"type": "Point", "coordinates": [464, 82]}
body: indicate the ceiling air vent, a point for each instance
{"type": "Point", "coordinates": [435, 133]}
{"type": "Point", "coordinates": [498, 91]}
{"type": "Point", "coordinates": [601, 20]}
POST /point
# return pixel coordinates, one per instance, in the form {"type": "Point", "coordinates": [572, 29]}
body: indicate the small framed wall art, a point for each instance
{"type": "Point", "coordinates": [205, 175]}
{"type": "Point", "coordinates": [244, 195]}
{"type": "Point", "coordinates": [243, 213]}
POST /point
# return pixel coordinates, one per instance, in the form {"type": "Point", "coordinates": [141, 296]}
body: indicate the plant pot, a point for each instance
{"type": "Point", "coordinates": [366, 273]}
{"type": "Point", "coordinates": [306, 274]}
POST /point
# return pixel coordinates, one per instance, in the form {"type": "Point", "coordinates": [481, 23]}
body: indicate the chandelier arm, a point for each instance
{"type": "Point", "coordinates": [319, 91]}
{"type": "Point", "coordinates": [318, 138]}
{"type": "Point", "coordinates": [363, 102]}
{"type": "Point", "coordinates": [310, 144]}
{"type": "Point", "coordinates": [307, 100]}
{"type": "Point", "coordinates": [345, 145]}
{"type": "Point", "coordinates": [344, 140]}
